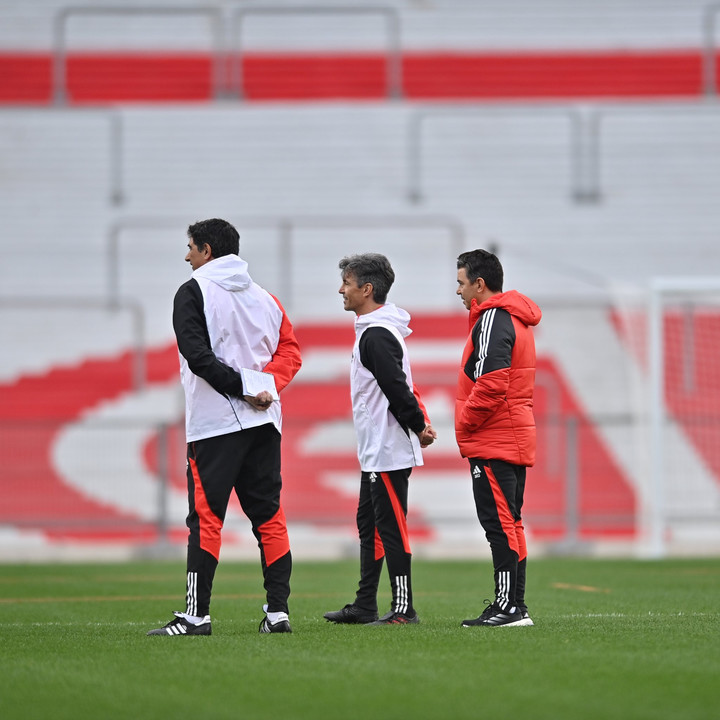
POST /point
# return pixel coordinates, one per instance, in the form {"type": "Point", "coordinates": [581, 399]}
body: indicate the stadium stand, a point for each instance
{"type": "Point", "coordinates": [577, 138]}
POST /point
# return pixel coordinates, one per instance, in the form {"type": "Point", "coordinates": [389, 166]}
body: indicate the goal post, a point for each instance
{"type": "Point", "coordinates": [680, 502]}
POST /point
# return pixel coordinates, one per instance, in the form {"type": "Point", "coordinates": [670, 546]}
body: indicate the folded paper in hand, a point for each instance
{"type": "Point", "coordinates": [255, 381]}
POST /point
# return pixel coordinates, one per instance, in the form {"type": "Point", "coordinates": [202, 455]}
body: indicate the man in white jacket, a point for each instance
{"type": "Point", "coordinates": [226, 324]}
{"type": "Point", "coordinates": [391, 426]}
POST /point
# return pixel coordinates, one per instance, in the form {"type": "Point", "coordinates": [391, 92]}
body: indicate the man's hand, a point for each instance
{"type": "Point", "coordinates": [261, 401]}
{"type": "Point", "coordinates": [427, 436]}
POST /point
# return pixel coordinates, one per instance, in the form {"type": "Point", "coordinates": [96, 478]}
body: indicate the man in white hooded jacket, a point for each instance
{"type": "Point", "coordinates": [225, 323]}
{"type": "Point", "coordinates": [391, 426]}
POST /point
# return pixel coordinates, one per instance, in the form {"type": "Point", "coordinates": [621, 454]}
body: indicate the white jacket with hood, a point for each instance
{"type": "Point", "coordinates": [223, 322]}
{"type": "Point", "coordinates": [386, 412]}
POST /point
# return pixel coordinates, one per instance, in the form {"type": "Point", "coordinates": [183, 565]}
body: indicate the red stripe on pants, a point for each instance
{"type": "Point", "coordinates": [379, 549]}
{"type": "Point", "coordinates": [522, 544]}
{"type": "Point", "coordinates": [274, 537]}
{"type": "Point", "coordinates": [210, 524]}
{"type": "Point", "coordinates": [398, 510]}
{"type": "Point", "coordinates": [507, 521]}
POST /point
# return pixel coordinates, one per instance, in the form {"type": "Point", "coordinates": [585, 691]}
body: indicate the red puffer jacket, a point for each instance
{"type": "Point", "coordinates": [494, 406]}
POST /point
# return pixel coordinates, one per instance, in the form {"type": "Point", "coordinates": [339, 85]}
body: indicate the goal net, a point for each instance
{"type": "Point", "coordinates": [681, 494]}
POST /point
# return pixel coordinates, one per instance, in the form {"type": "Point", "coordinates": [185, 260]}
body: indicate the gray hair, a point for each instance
{"type": "Point", "coordinates": [370, 268]}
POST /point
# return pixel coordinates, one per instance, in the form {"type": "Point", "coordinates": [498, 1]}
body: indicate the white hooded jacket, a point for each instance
{"type": "Point", "coordinates": [384, 444]}
{"type": "Point", "coordinates": [223, 322]}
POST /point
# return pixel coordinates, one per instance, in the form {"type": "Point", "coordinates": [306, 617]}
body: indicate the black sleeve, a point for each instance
{"type": "Point", "coordinates": [382, 355]}
{"type": "Point", "coordinates": [194, 342]}
{"type": "Point", "coordinates": [493, 341]}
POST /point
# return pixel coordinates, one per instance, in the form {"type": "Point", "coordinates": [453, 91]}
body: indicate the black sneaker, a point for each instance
{"type": "Point", "coordinates": [494, 616]}
{"type": "Point", "coordinates": [397, 618]}
{"type": "Point", "coordinates": [351, 614]}
{"type": "Point", "coordinates": [180, 626]}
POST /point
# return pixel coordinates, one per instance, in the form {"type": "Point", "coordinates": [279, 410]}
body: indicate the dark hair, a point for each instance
{"type": "Point", "coordinates": [220, 235]}
{"type": "Point", "coordinates": [370, 268]}
{"type": "Point", "coordinates": [484, 264]}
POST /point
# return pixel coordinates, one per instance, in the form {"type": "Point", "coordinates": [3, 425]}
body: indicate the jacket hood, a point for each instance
{"type": "Point", "coordinates": [388, 314]}
{"type": "Point", "coordinates": [230, 272]}
{"type": "Point", "coordinates": [517, 304]}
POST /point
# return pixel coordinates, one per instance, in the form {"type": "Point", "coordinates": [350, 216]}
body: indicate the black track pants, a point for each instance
{"type": "Point", "coordinates": [499, 488]}
{"type": "Point", "coordinates": [247, 462]}
{"type": "Point", "coordinates": [382, 527]}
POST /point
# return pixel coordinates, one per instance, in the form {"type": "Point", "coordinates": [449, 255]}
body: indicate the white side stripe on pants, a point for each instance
{"type": "Point", "coordinates": [401, 594]}
{"type": "Point", "coordinates": [191, 598]}
{"type": "Point", "coordinates": [503, 598]}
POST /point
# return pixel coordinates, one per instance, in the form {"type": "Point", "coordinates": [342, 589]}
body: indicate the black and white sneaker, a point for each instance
{"type": "Point", "coordinates": [281, 624]}
{"type": "Point", "coordinates": [181, 626]}
{"type": "Point", "coordinates": [495, 616]}
{"type": "Point", "coordinates": [351, 614]}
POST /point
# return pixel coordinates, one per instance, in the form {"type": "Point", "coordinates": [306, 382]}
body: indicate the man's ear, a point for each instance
{"type": "Point", "coordinates": [207, 251]}
{"type": "Point", "coordinates": [479, 285]}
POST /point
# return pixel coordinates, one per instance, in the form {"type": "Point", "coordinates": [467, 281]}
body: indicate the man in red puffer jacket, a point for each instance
{"type": "Point", "coordinates": [494, 423]}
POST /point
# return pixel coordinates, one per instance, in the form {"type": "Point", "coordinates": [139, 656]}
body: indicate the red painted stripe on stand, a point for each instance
{"type": "Point", "coordinates": [164, 77]}
{"type": "Point", "coordinates": [35, 408]}
{"type": "Point", "coordinates": [552, 75]}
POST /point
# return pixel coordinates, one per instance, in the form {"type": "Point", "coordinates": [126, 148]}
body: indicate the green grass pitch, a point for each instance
{"type": "Point", "coordinates": [612, 639]}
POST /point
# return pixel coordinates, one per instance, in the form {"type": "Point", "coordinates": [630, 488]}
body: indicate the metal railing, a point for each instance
{"type": "Point", "coordinates": [595, 117]}
{"type": "Point", "coordinates": [586, 123]}
{"type": "Point", "coordinates": [115, 140]}
{"type": "Point", "coordinates": [59, 78]}
{"type": "Point", "coordinates": [709, 65]}
{"type": "Point", "coordinates": [585, 146]}
{"type": "Point", "coordinates": [224, 87]}
{"type": "Point", "coordinates": [285, 226]}
{"type": "Point", "coordinates": [238, 16]}
{"type": "Point", "coordinates": [390, 14]}
{"type": "Point", "coordinates": [580, 187]}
